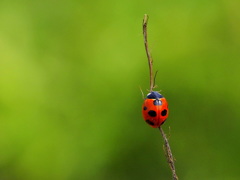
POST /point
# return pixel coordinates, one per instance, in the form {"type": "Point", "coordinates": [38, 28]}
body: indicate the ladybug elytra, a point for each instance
{"type": "Point", "coordinates": [155, 109]}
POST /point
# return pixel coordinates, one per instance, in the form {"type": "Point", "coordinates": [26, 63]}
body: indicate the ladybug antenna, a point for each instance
{"type": "Point", "coordinates": [141, 92]}
{"type": "Point", "coordinates": [150, 60]}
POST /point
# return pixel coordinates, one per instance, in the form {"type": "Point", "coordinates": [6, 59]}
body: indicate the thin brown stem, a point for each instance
{"type": "Point", "coordinates": [152, 79]}
{"type": "Point", "coordinates": [150, 60]}
{"type": "Point", "coordinates": [169, 154]}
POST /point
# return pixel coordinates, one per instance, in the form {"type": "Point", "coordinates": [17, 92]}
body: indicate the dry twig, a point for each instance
{"type": "Point", "coordinates": [150, 60]}
{"type": "Point", "coordinates": [150, 63]}
{"type": "Point", "coordinates": [169, 154]}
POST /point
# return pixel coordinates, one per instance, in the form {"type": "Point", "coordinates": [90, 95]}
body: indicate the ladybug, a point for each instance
{"type": "Point", "coordinates": [155, 109]}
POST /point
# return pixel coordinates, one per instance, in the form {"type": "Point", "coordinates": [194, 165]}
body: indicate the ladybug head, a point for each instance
{"type": "Point", "coordinates": [154, 95]}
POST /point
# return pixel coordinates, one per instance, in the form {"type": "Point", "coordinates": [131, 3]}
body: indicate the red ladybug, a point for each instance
{"type": "Point", "coordinates": [155, 109]}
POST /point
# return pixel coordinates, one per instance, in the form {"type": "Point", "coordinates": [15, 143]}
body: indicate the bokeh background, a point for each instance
{"type": "Point", "coordinates": [70, 104]}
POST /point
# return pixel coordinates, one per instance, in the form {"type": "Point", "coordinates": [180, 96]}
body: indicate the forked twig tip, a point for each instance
{"type": "Point", "coordinates": [145, 19]}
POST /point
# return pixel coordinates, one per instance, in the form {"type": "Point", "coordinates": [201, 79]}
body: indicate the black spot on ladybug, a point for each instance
{"type": "Point", "coordinates": [149, 122]}
{"type": "Point", "coordinates": [152, 113]}
{"type": "Point", "coordinates": [164, 112]}
{"type": "Point", "coordinates": [144, 108]}
{"type": "Point", "coordinates": [157, 102]}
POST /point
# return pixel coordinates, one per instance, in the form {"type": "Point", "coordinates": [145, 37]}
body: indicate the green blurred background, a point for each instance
{"type": "Point", "coordinates": [70, 104]}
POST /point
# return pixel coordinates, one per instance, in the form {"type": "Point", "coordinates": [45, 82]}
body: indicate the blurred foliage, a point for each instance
{"type": "Point", "coordinates": [70, 104]}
